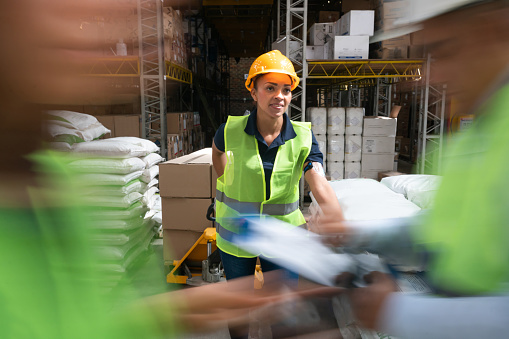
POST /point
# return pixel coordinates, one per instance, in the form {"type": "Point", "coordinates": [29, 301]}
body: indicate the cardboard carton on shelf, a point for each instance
{"type": "Point", "coordinates": [357, 23]}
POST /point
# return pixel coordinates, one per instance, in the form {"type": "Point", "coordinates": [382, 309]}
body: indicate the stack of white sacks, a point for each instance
{"type": "Point", "coordinates": [65, 128]}
{"type": "Point", "coordinates": [120, 176]}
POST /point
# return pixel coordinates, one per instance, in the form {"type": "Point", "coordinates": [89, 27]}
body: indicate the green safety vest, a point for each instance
{"type": "Point", "coordinates": [241, 188]}
{"type": "Point", "coordinates": [468, 230]}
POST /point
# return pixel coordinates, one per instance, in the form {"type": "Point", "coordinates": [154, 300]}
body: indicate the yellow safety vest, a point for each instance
{"type": "Point", "coordinates": [241, 188]}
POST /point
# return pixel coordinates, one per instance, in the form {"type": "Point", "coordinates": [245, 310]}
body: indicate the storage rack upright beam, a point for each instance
{"type": "Point", "coordinates": [152, 72]}
{"type": "Point", "coordinates": [431, 125]}
{"type": "Point", "coordinates": [295, 13]}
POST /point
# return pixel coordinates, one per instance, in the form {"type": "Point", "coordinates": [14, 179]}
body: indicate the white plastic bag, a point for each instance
{"type": "Point", "coordinates": [80, 121]}
{"type": "Point", "coordinates": [149, 174]}
{"type": "Point", "coordinates": [152, 159]}
{"type": "Point", "coordinates": [107, 165]}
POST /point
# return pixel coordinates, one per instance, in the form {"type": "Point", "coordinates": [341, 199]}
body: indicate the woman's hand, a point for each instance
{"type": "Point", "coordinates": [367, 302]}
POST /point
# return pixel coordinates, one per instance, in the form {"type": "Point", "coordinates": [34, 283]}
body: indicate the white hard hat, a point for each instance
{"type": "Point", "coordinates": [418, 11]}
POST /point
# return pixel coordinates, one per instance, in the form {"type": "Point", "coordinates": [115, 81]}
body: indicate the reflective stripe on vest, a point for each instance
{"type": "Point", "coordinates": [256, 207]}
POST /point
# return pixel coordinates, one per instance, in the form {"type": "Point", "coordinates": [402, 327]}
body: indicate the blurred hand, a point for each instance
{"type": "Point", "coordinates": [332, 227]}
{"type": "Point", "coordinates": [367, 302]}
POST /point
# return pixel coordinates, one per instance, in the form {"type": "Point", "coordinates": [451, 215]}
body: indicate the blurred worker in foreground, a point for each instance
{"type": "Point", "coordinates": [464, 242]}
{"type": "Point", "coordinates": [50, 286]}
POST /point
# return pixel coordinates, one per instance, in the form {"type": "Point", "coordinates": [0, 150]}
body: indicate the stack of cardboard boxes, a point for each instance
{"type": "Point", "coordinates": [378, 146]}
{"type": "Point", "coordinates": [346, 38]}
{"type": "Point", "coordinates": [356, 146]}
{"type": "Point", "coordinates": [184, 133]}
{"type": "Point", "coordinates": [387, 14]}
{"type": "Point", "coordinates": [187, 188]}
{"type": "Point", "coordinates": [175, 46]}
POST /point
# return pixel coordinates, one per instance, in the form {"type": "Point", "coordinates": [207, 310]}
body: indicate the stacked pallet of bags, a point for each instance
{"type": "Point", "coordinates": [120, 176]}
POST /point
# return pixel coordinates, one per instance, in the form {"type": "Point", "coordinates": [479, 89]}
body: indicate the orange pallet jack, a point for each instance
{"type": "Point", "coordinates": [201, 264]}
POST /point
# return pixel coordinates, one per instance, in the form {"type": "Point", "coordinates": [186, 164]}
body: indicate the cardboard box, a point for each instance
{"type": "Point", "coordinates": [379, 127]}
{"type": "Point", "coordinates": [127, 126]}
{"type": "Point", "coordinates": [328, 16]}
{"type": "Point", "coordinates": [108, 121]}
{"type": "Point", "coordinates": [402, 41]}
{"type": "Point", "coordinates": [378, 145]}
{"type": "Point", "coordinates": [353, 148]}
{"type": "Point", "coordinates": [320, 33]}
{"type": "Point", "coordinates": [176, 243]}
{"type": "Point", "coordinates": [185, 214]}
{"type": "Point", "coordinates": [354, 117]}
{"type": "Point", "coordinates": [295, 48]}
{"type": "Point", "coordinates": [377, 162]}
{"type": "Point", "coordinates": [190, 176]}
{"type": "Point", "coordinates": [173, 146]}
{"type": "Point", "coordinates": [392, 10]}
{"type": "Point", "coordinates": [175, 123]}
{"type": "Point", "coordinates": [355, 23]}
{"type": "Point", "coordinates": [399, 52]}
{"type": "Point", "coordinates": [416, 52]}
{"type": "Point", "coordinates": [336, 170]}
{"type": "Point", "coordinates": [315, 52]}
{"type": "Point", "coordinates": [352, 170]}
{"type": "Point", "coordinates": [351, 47]}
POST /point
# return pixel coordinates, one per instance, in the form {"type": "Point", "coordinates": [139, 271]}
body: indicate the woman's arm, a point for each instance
{"type": "Point", "coordinates": [323, 193]}
{"type": "Point", "coordinates": [218, 160]}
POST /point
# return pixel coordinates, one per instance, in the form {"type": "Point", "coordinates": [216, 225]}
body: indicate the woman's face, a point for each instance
{"type": "Point", "coordinates": [272, 94]}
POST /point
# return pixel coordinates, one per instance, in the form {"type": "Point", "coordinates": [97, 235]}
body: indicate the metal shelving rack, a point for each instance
{"type": "Point", "coordinates": [431, 124]}
{"type": "Point", "coordinates": [152, 72]}
{"type": "Point", "coordinates": [295, 13]}
{"type": "Point", "coordinates": [380, 74]}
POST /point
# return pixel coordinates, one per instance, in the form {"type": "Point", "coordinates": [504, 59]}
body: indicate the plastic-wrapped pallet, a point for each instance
{"type": "Point", "coordinates": [353, 148]}
{"type": "Point", "coordinates": [336, 169]}
{"type": "Point", "coordinates": [336, 121]}
{"type": "Point", "coordinates": [352, 170]}
{"type": "Point", "coordinates": [354, 120]}
{"type": "Point", "coordinates": [318, 118]}
{"type": "Point", "coordinates": [335, 148]}
{"type": "Point", "coordinates": [322, 145]}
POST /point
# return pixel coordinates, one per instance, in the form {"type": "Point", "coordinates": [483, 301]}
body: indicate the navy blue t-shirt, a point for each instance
{"type": "Point", "coordinates": [268, 153]}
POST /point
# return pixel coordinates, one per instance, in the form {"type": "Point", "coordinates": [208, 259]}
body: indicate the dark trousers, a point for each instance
{"type": "Point", "coordinates": [237, 267]}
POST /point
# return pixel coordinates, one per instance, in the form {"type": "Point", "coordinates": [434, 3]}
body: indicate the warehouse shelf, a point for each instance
{"type": "Point", "coordinates": [365, 69]}
{"type": "Point", "coordinates": [178, 73]}
{"type": "Point", "coordinates": [116, 66]}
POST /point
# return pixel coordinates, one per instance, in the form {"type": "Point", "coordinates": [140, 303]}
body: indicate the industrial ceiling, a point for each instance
{"type": "Point", "coordinates": [243, 25]}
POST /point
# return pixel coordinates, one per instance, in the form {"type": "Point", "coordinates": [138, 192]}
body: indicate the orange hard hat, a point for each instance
{"type": "Point", "coordinates": [272, 62]}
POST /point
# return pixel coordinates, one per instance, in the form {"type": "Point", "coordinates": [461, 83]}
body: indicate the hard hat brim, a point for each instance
{"type": "Point", "coordinates": [250, 83]}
